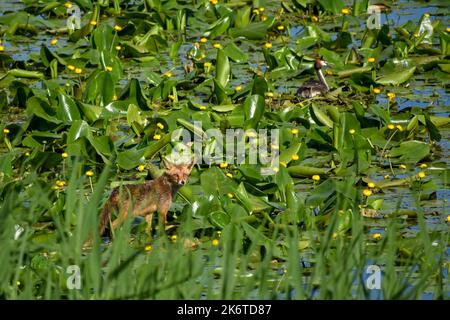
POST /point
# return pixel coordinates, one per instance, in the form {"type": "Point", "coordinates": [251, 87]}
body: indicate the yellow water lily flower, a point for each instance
{"type": "Point", "coordinates": [367, 192]}
{"type": "Point", "coordinates": [223, 165]}
{"type": "Point", "coordinates": [268, 45]}
{"type": "Point", "coordinates": [215, 242]}
{"type": "Point", "coordinates": [352, 131]}
{"type": "Point", "coordinates": [54, 42]}
{"type": "Point", "coordinates": [141, 168]}
{"type": "Point", "coordinates": [371, 185]}
{"type": "Point", "coordinates": [117, 28]}
{"type": "Point", "coordinates": [294, 157]}
{"type": "Point", "coordinates": [203, 40]}
{"type": "Point", "coordinates": [217, 46]}
{"type": "Point", "coordinates": [89, 173]}
{"type": "Point", "coordinates": [160, 125]}
{"type": "Point", "coordinates": [60, 183]}
{"type": "Point", "coordinates": [391, 96]}
{"type": "Point", "coordinates": [316, 177]}
{"type": "Point", "coordinates": [345, 11]}
{"type": "Point", "coordinates": [371, 59]}
{"type": "Point", "coordinates": [376, 236]}
{"type": "Point", "coordinates": [157, 137]}
{"type": "Point", "coordinates": [238, 88]}
{"type": "Point", "coordinates": [78, 70]}
{"type": "Point", "coordinates": [64, 155]}
{"type": "Point", "coordinates": [294, 131]}
{"type": "Point", "coordinates": [421, 175]}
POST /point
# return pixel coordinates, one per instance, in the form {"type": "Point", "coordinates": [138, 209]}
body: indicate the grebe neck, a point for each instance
{"type": "Point", "coordinates": [322, 78]}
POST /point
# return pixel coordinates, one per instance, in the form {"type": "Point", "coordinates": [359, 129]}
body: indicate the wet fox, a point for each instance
{"type": "Point", "coordinates": [144, 199]}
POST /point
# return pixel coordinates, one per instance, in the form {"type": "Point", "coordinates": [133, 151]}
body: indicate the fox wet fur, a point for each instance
{"type": "Point", "coordinates": [144, 199]}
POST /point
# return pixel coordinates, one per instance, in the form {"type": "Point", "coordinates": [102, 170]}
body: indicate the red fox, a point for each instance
{"type": "Point", "coordinates": [144, 199]}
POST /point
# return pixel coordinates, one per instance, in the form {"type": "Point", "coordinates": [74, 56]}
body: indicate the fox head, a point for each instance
{"type": "Point", "coordinates": [178, 174]}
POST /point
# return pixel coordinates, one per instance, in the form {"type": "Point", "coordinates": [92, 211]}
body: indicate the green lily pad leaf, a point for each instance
{"type": "Point", "coordinates": [214, 182]}
{"type": "Point", "coordinates": [256, 236]}
{"type": "Point", "coordinates": [91, 112]}
{"type": "Point", "coordinates": [250, 202]}
{"type": "Point", "coordinates": [67, 110]}
{"type": "Point", "coordinates": [219, 27]}
{"type": "Point", "coordinates": [223, 68]}
{"type": "Point", "coordinates": [333, 6]}
{"type": "Point", "coordinates": [133, 94]}
{"type": "Point", "coordinates": [254, 109]}
{"type": "Point", "coordinates": [100, 88]}
{"type": "Point", "coordinates": [130, 159]}
{"type": "Point", "coordinates": [444, 67]}
{"type": "Point", "coordinates": [41, 109]}
{"type": "Point", "coordinates": [133, 115]}
{"type": "Point", "coordinates": [260, 85]}
{"type": "Point", "coordinates": [20, 73]}
{"type": "Point", "coordinates": [234, 53]}
{"type": "Point", "coordinates": [219, 219]}
{"type": "Point", "coordinates": [304, 171]}
{"type": "Point", "coordinates": [79, 129]}
{"type": "Point", "coordinates": [251, 172]}
{"type": "Point", "coordinates": [411, 151]}
{"type": "Point", "coordinates": [253, 31]}
{"type": "Point", "coordinates": [433, 131]}
{"type": "Point", "coordinates": [321, 193]}
{"type": "Point", "coordinates": [396, 77]}
{"type": "Point", "coordinates": [286, 155]}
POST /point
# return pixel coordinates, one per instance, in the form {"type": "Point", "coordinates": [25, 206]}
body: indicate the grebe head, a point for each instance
{"type": "Point", "coordinates": [320, 63]}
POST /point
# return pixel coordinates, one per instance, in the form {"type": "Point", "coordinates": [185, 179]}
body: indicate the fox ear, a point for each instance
{"type": "Point", "coordinates": [191, 165]}
{"type": "Point", "coordinates": [167, 163]}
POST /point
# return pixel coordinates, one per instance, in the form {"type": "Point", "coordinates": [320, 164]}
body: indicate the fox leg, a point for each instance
{"type": "Point", "coordinates": [148, 219]}
{"type": "Point", "coordinates": [163, 209]}
{"type": "Point", "coordinates": [122, 216]}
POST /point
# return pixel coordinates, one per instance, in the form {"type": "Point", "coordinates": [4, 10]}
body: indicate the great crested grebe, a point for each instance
{"type": "Point", "coordinates": [312, 88]}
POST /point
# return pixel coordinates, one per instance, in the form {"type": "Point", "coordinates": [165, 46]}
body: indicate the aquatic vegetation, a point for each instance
{"type": "Point", "coordinates": [92, 93]}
